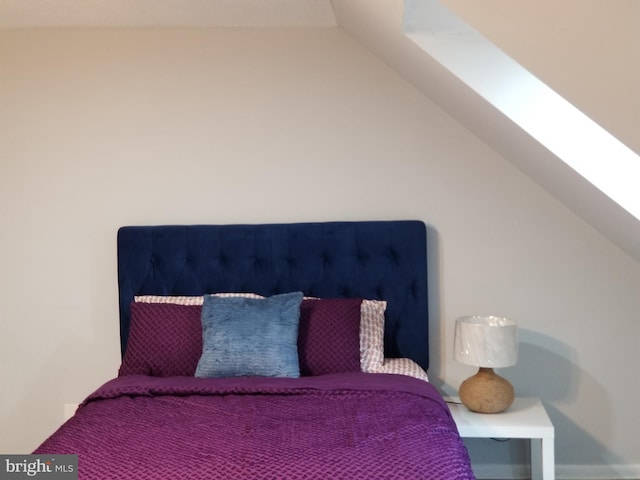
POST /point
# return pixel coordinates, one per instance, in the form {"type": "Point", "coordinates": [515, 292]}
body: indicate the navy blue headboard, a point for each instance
{"type": "Point", "coordinates": [376, 260]}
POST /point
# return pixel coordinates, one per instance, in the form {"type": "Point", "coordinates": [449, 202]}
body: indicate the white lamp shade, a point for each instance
{"type": "Point", "coordinates": [490, 342]}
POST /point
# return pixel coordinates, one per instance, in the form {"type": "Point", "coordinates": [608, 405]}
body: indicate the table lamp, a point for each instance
{"type": "Point", "coordinates": [486, 342]}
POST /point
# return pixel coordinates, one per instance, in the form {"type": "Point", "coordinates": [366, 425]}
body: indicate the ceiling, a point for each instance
{"type": "Point", "coordinates": [165, 13]}
{"type": "Point", "coordinates": [379, 26]}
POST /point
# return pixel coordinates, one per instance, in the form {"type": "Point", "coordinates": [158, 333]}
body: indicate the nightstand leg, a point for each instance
{"type": "Point", "coordinates": [542, 459]}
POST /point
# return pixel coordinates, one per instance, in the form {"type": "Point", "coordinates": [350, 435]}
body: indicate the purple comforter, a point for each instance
{"type": "Point", "coordinates": [355, 426]}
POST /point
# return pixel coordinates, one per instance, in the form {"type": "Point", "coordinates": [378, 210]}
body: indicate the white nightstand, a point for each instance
{"type": "Point", "coordinates": [525, 418]}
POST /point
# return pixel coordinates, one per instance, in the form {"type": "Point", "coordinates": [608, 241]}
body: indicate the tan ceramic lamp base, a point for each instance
{"type": "Point", "coordinates": [486, 392]}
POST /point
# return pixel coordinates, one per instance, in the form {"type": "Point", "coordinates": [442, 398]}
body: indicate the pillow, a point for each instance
{"type": "Point", "coordinates": [372, 335]}
{"type": "Point", "coordinates": [187, 300]}
{"type": "Point", "coordinates": [250, 336]}
{"type": "Point", "coordinates": [165, 340]}
{"type": "Point", "coordinates": [329, 336]}
{"type": "Point", "coordinates": [402, 366]}
{"type": "Point", "coordinates": [371, 327]}
{"type": "Point", "coordinates": [166, 336]}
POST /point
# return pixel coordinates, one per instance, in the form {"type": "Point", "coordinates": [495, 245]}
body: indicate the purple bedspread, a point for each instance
{"type": "Point", "coordinates": [352, 426]}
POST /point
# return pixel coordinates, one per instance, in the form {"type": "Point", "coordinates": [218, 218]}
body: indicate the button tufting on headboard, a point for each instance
{"type": "Point", "coordinates": [379, 260]}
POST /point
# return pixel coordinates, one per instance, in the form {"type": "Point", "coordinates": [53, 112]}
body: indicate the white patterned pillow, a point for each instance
{"type": "Point", "coordinates": [187, 300]}
{"type": "Point", "coordinates": [371, 324]}
{"type": "Point", "coordinates": [163, 299]}
{"type": "Point", "coordinates": [403, 366]}
{"type": "Point", "coordinates": [372, 335]}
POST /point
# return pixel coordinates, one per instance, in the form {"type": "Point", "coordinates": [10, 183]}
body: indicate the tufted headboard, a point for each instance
{"type": "Point", "coordinates": [377, 260]}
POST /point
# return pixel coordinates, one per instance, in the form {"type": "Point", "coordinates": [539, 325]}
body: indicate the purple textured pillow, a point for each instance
{"type": "Point", "coordinates": [165, 340]}
{"type": "Point", "coordinates": [329, 336]}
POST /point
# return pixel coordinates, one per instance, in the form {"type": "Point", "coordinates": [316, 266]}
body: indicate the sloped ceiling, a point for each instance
{"type": "Point", "coordinates": [586, 50]}
{"type": "Point", "coordinates": [378, 25]}
{"type": "Point", "coordinates": [165, 13]}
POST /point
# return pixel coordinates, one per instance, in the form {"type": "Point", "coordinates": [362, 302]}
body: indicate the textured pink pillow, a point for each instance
{"type": "Point", "coordinates": [165, 340]}
{"type": "Point", "coordinates": [329, 336]}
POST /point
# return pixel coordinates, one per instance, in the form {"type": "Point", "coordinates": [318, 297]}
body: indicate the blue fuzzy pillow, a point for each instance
{"type": "Point", "coordinates": [250, 336]}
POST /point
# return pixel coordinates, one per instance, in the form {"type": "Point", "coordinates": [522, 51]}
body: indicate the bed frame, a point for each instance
{"type": "Point", "coordinates": [377, 260]}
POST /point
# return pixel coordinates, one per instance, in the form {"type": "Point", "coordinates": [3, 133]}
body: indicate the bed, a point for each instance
{"type": "Point", "coordinates": [275, 351]}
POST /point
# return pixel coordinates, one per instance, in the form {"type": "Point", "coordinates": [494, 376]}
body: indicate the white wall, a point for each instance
{"type": "Point", "coordinates": [106, 128]}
